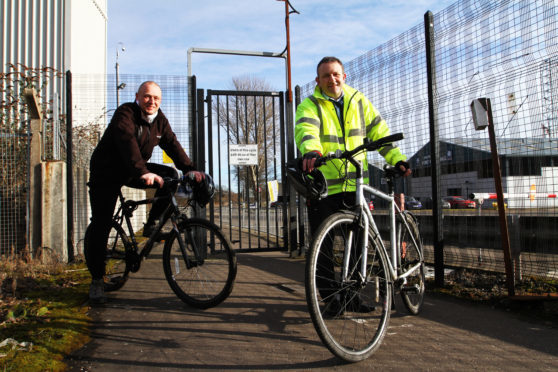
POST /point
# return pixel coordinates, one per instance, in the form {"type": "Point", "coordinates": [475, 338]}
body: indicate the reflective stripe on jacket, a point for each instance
{"type": "Point", "coordinates": [317, 128]}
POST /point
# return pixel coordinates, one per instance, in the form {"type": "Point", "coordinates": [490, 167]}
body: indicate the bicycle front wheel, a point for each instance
{"type": "Point", "coordinates": [116, 267]}
{"type": "Point", "coordinates": [199, 264]}
{"type": "Point", "coordinates": [350, 314]}
{"type": "Point", "coordinates": [413, 288]}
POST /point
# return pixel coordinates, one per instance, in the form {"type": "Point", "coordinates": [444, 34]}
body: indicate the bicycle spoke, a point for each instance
{"type": "Point", "coordinates": [413, 288]}
{"type": "Point", "coordinates": [202, 275]}
{"type": "Point", "coordinates": [350, 316]}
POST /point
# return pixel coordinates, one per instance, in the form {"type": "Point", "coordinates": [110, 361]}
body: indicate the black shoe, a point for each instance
{"type": "Point", "coordinates": [148, 229]}
{"type": "Point", "coordinates": [357, 306]}
{"type": "Point", "coordinates": [97, 292]}
{"type": "Point", "coordinates": [334, 308]}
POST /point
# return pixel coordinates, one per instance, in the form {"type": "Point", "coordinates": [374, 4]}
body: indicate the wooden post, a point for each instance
{"type": "Point", "coordinates": [482, 118]}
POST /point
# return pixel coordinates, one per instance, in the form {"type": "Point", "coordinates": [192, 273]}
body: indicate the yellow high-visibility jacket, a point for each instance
{"type": "Point", "coordinates": [317, 128]}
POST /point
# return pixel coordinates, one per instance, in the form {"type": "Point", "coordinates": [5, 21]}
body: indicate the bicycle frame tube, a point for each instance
{"type": "Point", "coordinates": [128, 206]}
{"type": "Point", "coordinates": [360, 201]}
{"type": "Point", "coordinates": [369, 220]}
{"type": "Point", "coordinates": [392, 236]}
{"type": "Point", "coordinates": [418, 265]}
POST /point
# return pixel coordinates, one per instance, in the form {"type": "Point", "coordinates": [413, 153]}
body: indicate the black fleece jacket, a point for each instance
{"type": "Point", "coordinates": [128, 143]}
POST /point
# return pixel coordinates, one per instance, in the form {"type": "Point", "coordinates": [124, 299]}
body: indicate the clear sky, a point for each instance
{"type": "Point", "coordinates": [156, 35]}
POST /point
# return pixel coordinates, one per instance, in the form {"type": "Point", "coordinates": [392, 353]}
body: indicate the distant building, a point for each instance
{"type": "Point", "coordinates": [529, 169]}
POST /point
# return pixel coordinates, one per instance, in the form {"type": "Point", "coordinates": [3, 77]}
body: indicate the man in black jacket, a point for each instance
{"type": "Point", "coordinates": [120, 158]}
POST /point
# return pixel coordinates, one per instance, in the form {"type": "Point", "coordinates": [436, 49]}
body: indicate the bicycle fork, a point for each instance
{"type": "Point", "coordinates": [348, 252]}
{"type": "Point", "coordinates": [198, 260]}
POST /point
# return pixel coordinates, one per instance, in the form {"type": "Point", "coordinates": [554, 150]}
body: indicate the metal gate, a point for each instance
{"type": "Point", "coordinates": [244, 148]}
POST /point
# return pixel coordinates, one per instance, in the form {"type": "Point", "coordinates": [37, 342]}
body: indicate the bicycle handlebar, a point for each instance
{"type": "Point", "coordinates": [367, 145]}
{"type": "Point", "coordinates": [189, 179]}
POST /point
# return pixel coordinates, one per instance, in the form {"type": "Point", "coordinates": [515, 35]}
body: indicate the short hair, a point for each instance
{"type": "Point", "coordinates": [148, 82]}
{"type": "Point", "coordinates": [329, 59]}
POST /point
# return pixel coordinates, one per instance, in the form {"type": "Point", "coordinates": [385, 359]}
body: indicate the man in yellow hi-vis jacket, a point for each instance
{"type": "Point", "coordinates": [338, 117]}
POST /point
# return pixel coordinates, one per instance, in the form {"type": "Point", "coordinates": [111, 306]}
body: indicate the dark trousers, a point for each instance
{"type": "Point", "coordinates": [103, 197]}
{"type": "Point", "coordinates": [318, 211]}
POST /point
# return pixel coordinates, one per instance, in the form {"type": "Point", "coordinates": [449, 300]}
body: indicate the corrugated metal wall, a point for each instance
{"type": "Point", "coordinates": [32, 32]}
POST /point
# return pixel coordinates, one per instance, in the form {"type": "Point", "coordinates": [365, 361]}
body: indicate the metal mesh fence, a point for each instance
{"type": "Point", "coordinates": [506, 51]}
{"type": "Point", "coordinates": [14, 148]}
{"type": "Point", "coordinates": [15, 140]}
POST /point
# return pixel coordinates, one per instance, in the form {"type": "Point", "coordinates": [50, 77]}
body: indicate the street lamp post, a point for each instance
{"type": "Point", "coordinates": [118, 85]}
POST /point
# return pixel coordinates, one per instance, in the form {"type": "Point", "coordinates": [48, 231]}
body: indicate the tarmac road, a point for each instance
{"type": "Point", "coordinates": [265, 325]}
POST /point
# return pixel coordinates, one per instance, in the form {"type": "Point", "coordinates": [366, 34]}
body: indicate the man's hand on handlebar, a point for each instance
{"type": "Point", "coordinates": [149, 179]}
{"type": "Point", "coordinates": [198, 176]}
{"type": "Point", "coordinates": [404, 168]}
{"type": "Point", "coordinates": [309, 159]}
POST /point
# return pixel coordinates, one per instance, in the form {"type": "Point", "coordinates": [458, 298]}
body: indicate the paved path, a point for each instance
{"type": "Point", "coordinates": [265, 325]}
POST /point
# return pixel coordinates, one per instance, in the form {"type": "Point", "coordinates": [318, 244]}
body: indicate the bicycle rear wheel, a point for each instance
{"type": "Point", "coordinates": [116, 267]}
{"type": "Point", "coordinates": [350, 316]}
{"type": "Point", "coordinates": [203, 274]}
{"type": "Point", "coordinates": [412, 291]}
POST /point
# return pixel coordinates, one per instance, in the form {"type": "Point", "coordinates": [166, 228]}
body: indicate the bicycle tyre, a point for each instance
{"type": "Point", "coordinates": [116, 267]}
{"type": "Point", "coordinates": [210, 280]}
{"type": "Point", "coordinates": [349, 334]}
{"type": "Point", "coordinates": [413, 290]}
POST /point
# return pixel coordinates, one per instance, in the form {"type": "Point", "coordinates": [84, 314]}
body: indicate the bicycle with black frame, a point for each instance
{"type": "Point", "coordinates": [198, 261]}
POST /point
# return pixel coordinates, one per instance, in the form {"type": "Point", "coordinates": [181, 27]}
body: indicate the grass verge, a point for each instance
{"type": "Point", "coordinates": [490, 289]}
{"type": "Point", "coordinates": [43, 313]}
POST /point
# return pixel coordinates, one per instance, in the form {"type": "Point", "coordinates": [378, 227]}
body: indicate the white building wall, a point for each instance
{"type": "Point", "coordinates": [87, 36]}
{"type": "Point", "coordinates": [524, 191]}
{"type": "Point", "coordinates": [86, 40]}
{"type": "Point", "coordinates": [533, 191]}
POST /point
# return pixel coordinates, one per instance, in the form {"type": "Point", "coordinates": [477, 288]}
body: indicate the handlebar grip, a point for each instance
{"type": "Point", "coordinates": [391, 138]}
{"type": "Point", "coordinates": [320, 161]}
{"type": "Point", "coordinates": [384, 141]}
{"type": "Point", "coordinates": [394, 137]}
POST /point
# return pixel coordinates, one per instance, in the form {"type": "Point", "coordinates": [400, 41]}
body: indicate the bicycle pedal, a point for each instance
{"type": "Point", "coordinates": [160, 237]}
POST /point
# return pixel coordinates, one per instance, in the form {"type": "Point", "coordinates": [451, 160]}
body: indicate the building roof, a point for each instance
{"type": "Point", "coordinates": [510, 146]}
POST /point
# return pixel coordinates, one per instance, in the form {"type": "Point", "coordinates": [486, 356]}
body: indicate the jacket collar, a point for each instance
{"type": "Point", "coordinates": [347, 92]}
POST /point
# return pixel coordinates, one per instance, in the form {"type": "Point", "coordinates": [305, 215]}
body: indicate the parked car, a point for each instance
{"type": "Point", "coordinates": [371, 205]}
{"type": "Point", "coordinates": [412, 203]}
{"type": "Point", "coordinates": [446, 204]}
{"type": "Point", "coordinates": [459, 202]}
